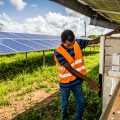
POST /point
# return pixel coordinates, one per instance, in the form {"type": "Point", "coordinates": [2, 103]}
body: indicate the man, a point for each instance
{"type": "Point", "coordinates": [71, 69]}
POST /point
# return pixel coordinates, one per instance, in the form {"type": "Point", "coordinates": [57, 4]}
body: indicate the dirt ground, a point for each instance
{"type": "Point", "coordinates": [37, 98]}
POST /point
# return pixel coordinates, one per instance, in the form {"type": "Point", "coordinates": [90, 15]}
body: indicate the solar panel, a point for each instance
{"type": "Point", "coordinates": [109, 8]}
{"type": "Point", "coordinates": [24, 42]}
{"type": "Point", "coordinates": [2, 37]}
{"type": "Point", "coordinates": [17, 46]}
{"type": "Point", "coordinates": [35, 36]}
{"type": "Point", "coordinates": [49, 45]}
{"type": "Point", "coordinates": [4, 49]}
{"type": "Point", "coordinates": [34, 45]}
{"type": "Point", "coordinates": [23, 36]}
{"type": "Point", "coordinates": [8, 35]}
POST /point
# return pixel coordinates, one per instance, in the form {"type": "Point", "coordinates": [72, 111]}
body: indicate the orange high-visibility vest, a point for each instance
{"type": "Point", "coordinates": [77, 63]}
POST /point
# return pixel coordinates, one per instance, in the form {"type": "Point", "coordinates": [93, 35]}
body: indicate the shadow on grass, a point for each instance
{"type": "Point", "coordinates": [10, 70]}
{"type": "Point", "coordinates": [51, 111]}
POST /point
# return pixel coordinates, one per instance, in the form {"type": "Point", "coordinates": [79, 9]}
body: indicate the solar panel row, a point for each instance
{"type": "Point", "coordinates": [26, 36]}
{"type": "Point", "coordinates": [22, 42]}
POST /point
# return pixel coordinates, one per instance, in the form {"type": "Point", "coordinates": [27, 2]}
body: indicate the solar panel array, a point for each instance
{"type": "Point", "coordinates": [107, 5]}
{"type": "Point", "coordinates": [23, 42]}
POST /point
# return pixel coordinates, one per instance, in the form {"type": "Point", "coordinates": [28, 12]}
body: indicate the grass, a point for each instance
{"type": "Point", "coordinates": [4, 102]}
{"type": "Point", "coordinates": [27, 90]}
{"type": "Point", "coordinates": [16, 75]}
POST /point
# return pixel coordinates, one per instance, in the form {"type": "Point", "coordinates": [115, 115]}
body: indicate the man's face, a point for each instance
{"type": "Point", "coordinates": [69, 45]}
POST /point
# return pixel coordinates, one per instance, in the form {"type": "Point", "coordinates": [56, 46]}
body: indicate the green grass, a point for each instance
{"type": "Point", "coordinates": [27, 90]}
{"type": "Point", "coordinates": [4, 102]}
{"type": "Point", "coordinates": [15, 75]}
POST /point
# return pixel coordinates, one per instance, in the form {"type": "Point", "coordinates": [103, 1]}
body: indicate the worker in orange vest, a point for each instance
{"type": "Point", "coordinates": [71, 70]}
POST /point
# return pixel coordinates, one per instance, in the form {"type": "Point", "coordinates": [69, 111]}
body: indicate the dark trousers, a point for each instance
{"type": "Point", "coordinates": [79, 97]}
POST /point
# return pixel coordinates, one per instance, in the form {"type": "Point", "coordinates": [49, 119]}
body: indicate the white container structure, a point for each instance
{"type": "Point", "coordinates": [109, 76]}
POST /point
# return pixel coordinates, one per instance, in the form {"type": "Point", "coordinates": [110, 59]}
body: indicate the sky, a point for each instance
{"type": "Point", "coordinates": [43, 17]}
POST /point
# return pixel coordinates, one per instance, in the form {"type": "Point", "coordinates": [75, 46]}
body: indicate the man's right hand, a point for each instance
{"type": "Point", "coordinates": [93, 84]}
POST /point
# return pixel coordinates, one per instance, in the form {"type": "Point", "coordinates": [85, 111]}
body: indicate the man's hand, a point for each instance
{"type": "Point", "coordinates": [116, 31]}
{"type": "Point", "coordinates": [94, 85]}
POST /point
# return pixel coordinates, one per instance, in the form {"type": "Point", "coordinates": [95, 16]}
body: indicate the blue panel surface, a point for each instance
{"type": "Point", "coordinates": [24, 42]}
{"type": "Point", "coordinates": [50, 45]}
{"type": "Point", "coordinates": [33, 44]}
{"type": "Point", "coordinates": [35, 36]}
{"type": "Point", "coordinates": [15, 45]}
{"type": "Point", "coordinates": [53, 41]}
{"type": "Point", "coordinates": [8, 35]}
{"type": "Point", "coordinates": [23, 36]}
{"type": "Point", "coordinates": [1, 37]}
{"type": "Point", "coordinates": [5, 50]}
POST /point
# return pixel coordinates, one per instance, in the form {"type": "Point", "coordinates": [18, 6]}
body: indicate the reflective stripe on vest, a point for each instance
{"type": "Point", "coordinates": [69, 74]}
{"type": "Point", "coordinates": [77, 64]}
